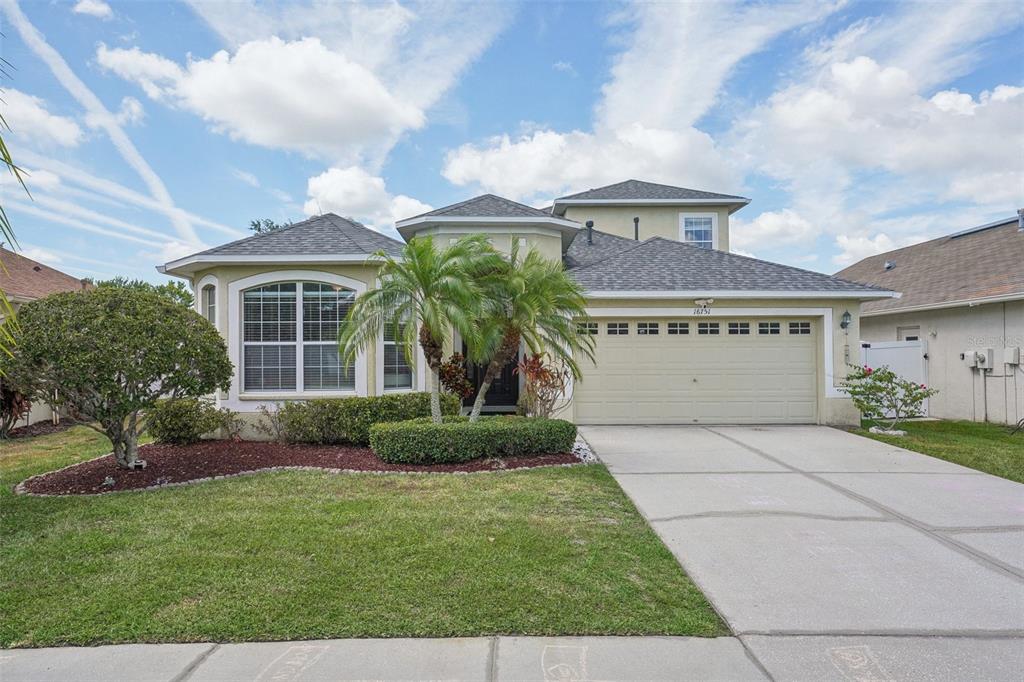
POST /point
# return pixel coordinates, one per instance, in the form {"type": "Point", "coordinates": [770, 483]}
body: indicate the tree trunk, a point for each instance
{"type": "Point", "coordinates": [125, 441]}
{"type": "Point", "coordinates": [435, 396]}
{"type": "Point", "coordinates": [508, 350]}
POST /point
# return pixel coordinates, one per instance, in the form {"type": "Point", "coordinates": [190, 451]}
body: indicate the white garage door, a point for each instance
{"type": "Point", "coordinates": [700, 371]}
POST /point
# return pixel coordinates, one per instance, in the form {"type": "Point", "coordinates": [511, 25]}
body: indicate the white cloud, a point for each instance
{"type": "Point", "coordinates": [94, 8]}
{"type": "Point", "coordinates": [131, 111]}
{"type": "Point", "coordinates": [246, 177]}
{"type": "Point", "coordinates": [565, 67]}
{"type": "Point", "coordinates": [854, 249]}
{"type": "Point", "coordinates": [41, 255]}
{"type": "Point", "coordinates": [771, 229]}
{"type": "Point", "coordinates": [354, 193]}
{"type": "Point", "coordinates": [547, 163]}
{"type": "Point", "coordinates": [297, 96]}
{"type": "Point", "coordinates": [28, 117]}
{"type": "Point", "coordinates": [676, 59]}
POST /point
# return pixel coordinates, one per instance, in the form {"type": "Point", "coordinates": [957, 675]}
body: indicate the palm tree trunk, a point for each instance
{"type": "Point", "coordinates": [435, 396]}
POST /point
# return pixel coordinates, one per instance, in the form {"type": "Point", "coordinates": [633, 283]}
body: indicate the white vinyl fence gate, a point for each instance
{"type": "Point", "coordinates": [909, 359]}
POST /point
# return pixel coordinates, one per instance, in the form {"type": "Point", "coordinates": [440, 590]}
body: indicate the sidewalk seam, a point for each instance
{"type": "Point", "coordinates": [194, 665]}
{"type": "Point", "coordinates": [755, 660]}
{"type": "Point", "coordinates": [492, 660]}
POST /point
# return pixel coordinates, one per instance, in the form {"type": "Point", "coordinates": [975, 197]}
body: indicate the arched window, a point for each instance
{"type": "Point", "coordinates": [208, 303]}
{"type": "Point", "coordinates": [290, 337]}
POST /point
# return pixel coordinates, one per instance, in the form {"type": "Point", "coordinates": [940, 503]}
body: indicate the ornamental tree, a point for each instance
{"type": "Point", "coordinates": [882, 395]}
{"type": "Point", "coordinates": [109, 353]}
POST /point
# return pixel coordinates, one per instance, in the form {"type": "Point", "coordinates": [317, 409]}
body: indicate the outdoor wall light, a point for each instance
{"type": "Point", "coordinates": [844, 321]}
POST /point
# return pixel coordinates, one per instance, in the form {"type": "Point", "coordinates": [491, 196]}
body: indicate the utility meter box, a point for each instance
{"type": "Point", "coordinates": [1011, 356]}
{"type": "Point", "coordinates": [986, 358]}
{"type": "Point", "coordinates": [970, 358]}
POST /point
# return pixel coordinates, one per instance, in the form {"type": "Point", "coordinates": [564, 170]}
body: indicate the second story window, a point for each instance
{"type": "Point", "coordinates": [699, 229]}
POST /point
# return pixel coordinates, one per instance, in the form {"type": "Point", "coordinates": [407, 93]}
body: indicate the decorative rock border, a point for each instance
{"type": "Point", "coordinates": [581, 449]}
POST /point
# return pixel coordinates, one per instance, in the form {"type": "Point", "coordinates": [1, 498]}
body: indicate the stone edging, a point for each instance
{"type": "Point", "coordinates": [20, 488]}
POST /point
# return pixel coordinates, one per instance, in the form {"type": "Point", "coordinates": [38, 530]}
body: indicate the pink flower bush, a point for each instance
{"type": "Point", "coordinates": [882, 395]}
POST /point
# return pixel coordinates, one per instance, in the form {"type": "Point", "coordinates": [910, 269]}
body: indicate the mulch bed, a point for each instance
{"type": "Point", "coordinates": [42, 428]}
{"type": "Point", "coordinates": [178, 464]}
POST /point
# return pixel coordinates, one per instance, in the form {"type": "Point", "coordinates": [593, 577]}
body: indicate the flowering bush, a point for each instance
{"type": "Point", "coordinates": [545, 382]}
{"type": "Point", "coordinates": [882, 395]}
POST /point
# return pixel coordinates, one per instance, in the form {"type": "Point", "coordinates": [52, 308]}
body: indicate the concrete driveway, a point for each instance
{"type": "Point", "coordinates": [833, 556]}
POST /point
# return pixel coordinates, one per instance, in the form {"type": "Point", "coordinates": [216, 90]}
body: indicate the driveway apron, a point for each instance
{"type": "Point", "coordinates": [835, 556]}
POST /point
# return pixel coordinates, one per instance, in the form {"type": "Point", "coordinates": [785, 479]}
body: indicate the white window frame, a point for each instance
{"type": "Point", "coordinates": [197, 295]}
{"type": "Point", "coordinates": [911, 330]}
{"type": "Point", "coordinates": [419, 360]}
{"type": "Point", "coordinates": [237, 399]}
{"type": "Point", "coordinates": [683, 215]}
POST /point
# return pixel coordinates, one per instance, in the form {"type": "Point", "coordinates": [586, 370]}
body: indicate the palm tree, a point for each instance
{"type": "Point", "coordinates": [425, 293]}
{"type": "Point", "coordinates": [530, 300]}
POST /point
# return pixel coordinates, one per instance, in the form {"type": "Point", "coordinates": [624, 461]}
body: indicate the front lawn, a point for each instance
{"type": "Point", "coordinates": [304, 555]}
{"type": "Point", "coordinates": [985, 447]}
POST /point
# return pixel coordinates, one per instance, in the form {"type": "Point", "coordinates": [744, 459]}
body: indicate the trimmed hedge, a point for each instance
{"type": "Point", "coordinates": [329, 421]}
{"type": "Point", "coordinates": [185, 420]}
{"type": "Point", "coordinates": [420, 441]}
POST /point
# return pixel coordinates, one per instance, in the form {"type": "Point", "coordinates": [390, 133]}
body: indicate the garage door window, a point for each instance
{"type": "Point", "coordinates": [618, 328]}
{"type": "Point", "coordinates": [740, 328]}
{"type": "Point", "coordinates": [707, 328]}
{"type": "Point", "coordinates": [678, 328]}
{"type": "Point", "coordinates": [800, 328]}
{"type": "Point", "coordinates": [587, 328]}
{"type": "Point", "coordinates": [769, 328]}
{"type": "Point", "coordinates": [647, 328]}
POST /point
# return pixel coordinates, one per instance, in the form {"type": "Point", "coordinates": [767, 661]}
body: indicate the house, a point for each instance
{"type": "Point", "coordinates": [686, 332]}
{"type": "Point", "coordinates": [22, 280]}
{"type": "Point", "coordinates": [963, 297]}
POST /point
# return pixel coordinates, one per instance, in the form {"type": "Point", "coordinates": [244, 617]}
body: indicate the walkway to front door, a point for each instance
{"type": "Point", "coordinates": [833, 556]}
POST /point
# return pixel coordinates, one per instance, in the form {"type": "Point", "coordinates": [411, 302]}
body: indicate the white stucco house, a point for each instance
{"type": "Point", "coordinates": [686, 332]}
{"type": "Point", "coordinates": [963, 298]}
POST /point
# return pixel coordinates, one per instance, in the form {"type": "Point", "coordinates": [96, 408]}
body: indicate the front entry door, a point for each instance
{"type": "Point", "coordinates": [504, 391]}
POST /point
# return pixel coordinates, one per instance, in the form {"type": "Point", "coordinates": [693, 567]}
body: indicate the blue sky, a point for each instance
{"type": "Point", "coordinates": [155, 129]}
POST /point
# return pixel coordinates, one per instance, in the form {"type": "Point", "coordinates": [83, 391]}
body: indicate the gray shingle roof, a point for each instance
{"type": "Point", "coordinates": [580, 253]}
{"type": "Point", "coordinates": [659, 264]}
{"type": "Point", "coordinates": [324, 235]}
{"type": "Point", "coordinates": [486, 206]}
{"type": "Point", "coordinates": [632, 190]}
{"type": "Point", "coordinates": [975, 264]}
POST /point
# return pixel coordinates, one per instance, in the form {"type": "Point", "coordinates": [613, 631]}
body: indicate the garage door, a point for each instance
{"type": "Point", "coordinates": [703, 371]}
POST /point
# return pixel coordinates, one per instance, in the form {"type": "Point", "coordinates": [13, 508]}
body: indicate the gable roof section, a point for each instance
{"type": "Point", "coordinates": [664, 266]}
{"type": "Point", "coordinates": [485, 206]}
{"type": "Point", "coordinates": [24, 279]}
{"type": "Point", "coordinates": [977, 264]}
{"type": "Point", "coordinates": [323, 238]}
{"type": "Point", "coordinates": [639, 192]}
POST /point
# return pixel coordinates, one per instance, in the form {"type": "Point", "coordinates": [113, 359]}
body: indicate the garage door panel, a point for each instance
{"type": "Point", "coordinates": [659, 379]}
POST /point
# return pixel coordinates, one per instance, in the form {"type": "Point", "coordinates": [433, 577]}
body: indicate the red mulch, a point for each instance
{"type": "Point", "coordinates": [41, 428]}
{"type": "Point", "coordinates": [181, 463]}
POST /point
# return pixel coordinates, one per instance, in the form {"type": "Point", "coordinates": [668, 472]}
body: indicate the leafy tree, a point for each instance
{"type": "Point", "coordinates": [265, 225]}
{"type": "Point", "coordinates": [109, 353]}
{"type": "Point", "coordinates": [175, 291]}
{"type": "Point", "coordinates": [425, 292]}
{"type": "Point", "coordinates": [528, 300]}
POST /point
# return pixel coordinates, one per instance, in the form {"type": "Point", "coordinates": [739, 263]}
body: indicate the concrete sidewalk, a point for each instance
{"type": "Point", "coordinates": [558, 659]}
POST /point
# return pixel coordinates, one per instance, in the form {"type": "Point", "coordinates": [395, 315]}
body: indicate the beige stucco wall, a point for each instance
{"type": "Point", "coordinates": [225, 275]}
{"type": "Point", "coordinates": [832, 408]}
{"type": "Point", "coordinates": [547, 241]}
{"type": "Point", "coordinates": [655, 221]}
{"type": "Point", "coordinates": [949, 332]}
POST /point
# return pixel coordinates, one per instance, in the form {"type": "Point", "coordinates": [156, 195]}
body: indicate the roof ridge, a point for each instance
{"type": "Point", "coordinates": [254, 237]}
{"type": "Point", "coordinates": [616, 254]}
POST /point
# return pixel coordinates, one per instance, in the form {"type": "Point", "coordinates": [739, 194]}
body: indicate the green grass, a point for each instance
{"type": "Point", "coordinates": [301, 555]}
{"type": "Point", "coordinates": [985, 447]}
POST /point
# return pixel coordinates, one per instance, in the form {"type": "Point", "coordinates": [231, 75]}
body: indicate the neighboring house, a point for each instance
{"type": "Point", "coordinates": [962, 294]}
{"type": "Point", "coordinates": [22, 280]}
{"type": "Point", "coordinates": [686, 333]}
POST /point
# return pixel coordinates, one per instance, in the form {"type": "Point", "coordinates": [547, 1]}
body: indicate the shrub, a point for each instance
{"type": "Point", "coordinates": [881, 394]}
{"type": "Point", "coordinates": [419, 441]}
{"type": "Point", "coordinates": [108, 354]}
{"type": "Point", "coordinates": [348, 420]}
{"type": "Point", "coordinates": [186, 420]}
